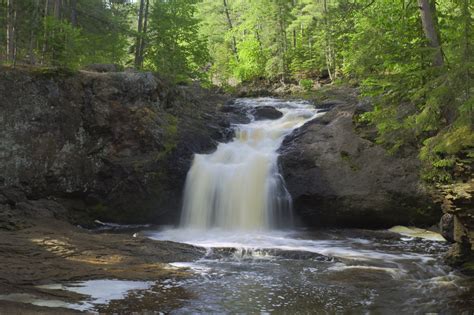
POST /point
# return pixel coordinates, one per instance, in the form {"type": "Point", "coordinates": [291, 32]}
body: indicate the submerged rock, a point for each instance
{"type": "Point", "coordinates": [338, 178]}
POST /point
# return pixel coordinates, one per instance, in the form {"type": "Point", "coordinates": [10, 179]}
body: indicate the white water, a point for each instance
{"type": "Point", "coordinates": [238, 186]}
{"type": "Point", "coordinates": [235, 198]}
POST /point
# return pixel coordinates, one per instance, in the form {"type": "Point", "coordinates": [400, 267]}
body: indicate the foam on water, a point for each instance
{"type": "Point", "coordinates": [258, 242]}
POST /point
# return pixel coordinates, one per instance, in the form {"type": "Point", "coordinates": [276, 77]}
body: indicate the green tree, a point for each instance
{"type": "Point", "coordinates": [64, 33]}
{"type": "Point", "coordinates": [176, 48]}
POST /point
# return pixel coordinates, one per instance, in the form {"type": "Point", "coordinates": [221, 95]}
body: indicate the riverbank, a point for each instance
{"type": "Point", "coordinates": [54, 252]}
{"type": "Point", "coordinates": [45, 265]}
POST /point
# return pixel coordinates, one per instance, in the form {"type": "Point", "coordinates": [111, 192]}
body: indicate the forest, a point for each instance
{"type": "Point", "coordinates": [414, 57]}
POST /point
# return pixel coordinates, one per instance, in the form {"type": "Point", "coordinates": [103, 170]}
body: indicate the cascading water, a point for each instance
{"type": "Point", "coordinates": [239, 186]}
{"type": "Point", "coordinates": [234, 199]}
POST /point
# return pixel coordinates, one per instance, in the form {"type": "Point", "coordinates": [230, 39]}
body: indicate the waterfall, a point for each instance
{"type": "Point", "coordinates": [239, 186]}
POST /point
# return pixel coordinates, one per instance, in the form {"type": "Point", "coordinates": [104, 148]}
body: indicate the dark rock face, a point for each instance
{"type": "Point", "coordinates": [237, 114]}
{"type": "Point", "coordinates": [266, 112]}
{"type": "Point", "coordinates": [446, 226]}
{"type": "Point", "coordinates": [113, 146]}
{"type": "Point", "coordinates": [458, 222]}
{"type": "Point", "coordinates": [337, 178]}
{"type": "Point", "coordinates": [16, 210]}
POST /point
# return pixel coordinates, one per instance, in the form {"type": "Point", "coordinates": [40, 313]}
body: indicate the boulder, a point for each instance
{"type": "Point", "coordinates": [337, 178]}
{"type": "Point", "coordinates": [266, 112]}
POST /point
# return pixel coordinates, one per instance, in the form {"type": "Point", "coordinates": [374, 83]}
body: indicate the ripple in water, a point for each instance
{"type": "Point", "coordinates": [324, 272]}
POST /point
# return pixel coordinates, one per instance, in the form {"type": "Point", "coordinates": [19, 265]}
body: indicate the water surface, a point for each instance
{"type": "Point", "coordinates": [348, 271]}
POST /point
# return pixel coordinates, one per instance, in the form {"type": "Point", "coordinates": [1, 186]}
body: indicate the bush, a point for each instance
{"type": "Point", "coordinates": [307, 84]}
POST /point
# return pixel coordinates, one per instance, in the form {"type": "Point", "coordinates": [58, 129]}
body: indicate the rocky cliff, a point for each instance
{"type": "Point", "coordinates": [339, 178]}
{"type": "Point", "coordinates": [112, 146]}
{"type": "Point", "coordinates": [457, 223]}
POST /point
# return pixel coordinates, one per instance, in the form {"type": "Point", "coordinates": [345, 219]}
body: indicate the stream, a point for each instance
{"type": "Point", "coordinates": [334, 271]}
{"type": "Point", "coordinates": [237, 207]}
{"type": "Point", "coordinates": [256, 260]}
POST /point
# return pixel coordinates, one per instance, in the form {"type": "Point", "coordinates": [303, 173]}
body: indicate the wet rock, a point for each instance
{"type": "Point", "coordinates": [237, 114]}
{"type": "Point", "coordinates": [12, 195]}
{"type": "Point", "coordinates": [234, 253]}
{"type": "Point", "coordinates": [112, 146]}
{"type": "Point", "coordinates": [338, 178]}
{"type": "Point", "coordinates": [446, 226]}
{"type": "Point", "coordinates": [266, 112]}
{"type": "Point", "coordinates": [54, 251]}
{"type": "Point", "coordinates": [329, 104]}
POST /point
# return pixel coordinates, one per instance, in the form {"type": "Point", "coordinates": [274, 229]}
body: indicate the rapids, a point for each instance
{"type": "Point", "coordinates": [239, 186]}
{"type": "Point", "coordinates": [235, 206]}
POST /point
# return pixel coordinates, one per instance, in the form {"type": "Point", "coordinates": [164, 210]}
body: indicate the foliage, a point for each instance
{"type": "Point", "coordinates": [45, 33]}
{"type": "Point", "coordinates": [417, 105]}
{"type": "Point", "coordinates": [382, 45]}
{"type": "Point", "coordinates": [307, 84]}
{"type": "Point", "coordinates": [175, 47]}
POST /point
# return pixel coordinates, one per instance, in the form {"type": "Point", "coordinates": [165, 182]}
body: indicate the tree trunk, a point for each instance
{"type": "Point", "coordinates": [282, 43]}
{"type": "Point", "coordinates": [293, 2]}
{"type": "Point", "coordinates": [231, 27]}
{"type": "Point", "coordinates": [143, 37]}
{"type": "Point", "coordinates": [33, 38]}
{"type": "Point", "coordinates": [259, 40]}
{"type": "Point", "coordinates": [45, 32]}
{"type": "Point", "coordinates": [73, 13]}
{"type": "Point", "coordinates": [430, 28]}
{"type": "Point", "coordinates": [15, 36]}
{"type": "Point", "coordinates": [57, 9]}
{"type": "Point", "coordinates": [328, 49]}
{"type": "Point", "coordinates": [294, 38]}
{"type": "Point", "coordinates": [138, 42]}
{"type": "Point", "coordinates": [467, 57]}
{"type": "Point", "coordinates": [10, 30]}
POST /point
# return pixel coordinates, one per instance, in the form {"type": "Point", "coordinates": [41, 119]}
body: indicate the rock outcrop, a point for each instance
{"type": "Point", "coordinates": [458, 206]}
{"type": "Point", "coordinates": [266, 112]}
{"type": "Point", "coordinates": [338, 178]}
{"type": "Point", "coordinates": [113, 146]}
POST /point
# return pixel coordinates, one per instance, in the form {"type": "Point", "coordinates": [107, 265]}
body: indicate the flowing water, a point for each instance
{"type": "Point", "coordinates": [323, 272]}
{"type": "Point", "coordinates": [239, 186]}
{"type": "Point", "coordinates": [235, 199]}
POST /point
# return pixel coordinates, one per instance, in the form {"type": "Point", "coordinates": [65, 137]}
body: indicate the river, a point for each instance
{"type": "Point", "coordinates": [237, 207]}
